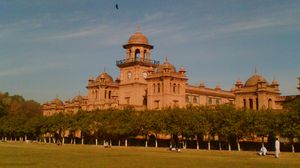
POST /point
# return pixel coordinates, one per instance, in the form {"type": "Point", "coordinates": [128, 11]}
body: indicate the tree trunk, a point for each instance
{"type": "Point", "coordinates": [74, 140]}
{"type": "Point", "coordinates": [110, 143]}
{"type": "Point", "coordinates": [229, 146]}
{"type": "Point", "coordinates": [293, 148]}
{"type": "Point", "coordinates": [82, 140]}
{"type": "Point", "coordinates": [208, 144]}
{"type": "Point", "coordinates": [25, 138]}
{"type": "Point", "coordinates": [119, 143]}
{"type": "Point", "coordinates": [63, 141]}
{"type": "Point", "coordinates": [197, 144]}
{"type": "Point", "coordinates": [156, 144]}
{"type": "Point", "coordinates": [104, 143]}
{"type": "Point", "coordinates": [125, 142]}
{"type": "Point", "coordinates": [146, 142]}
{"type": "Point", "coordinates": [238, 145]}
{"type": "Point", "coordinates": [220, 145]}
{"type": "Point", "coordinates": [5, 138]}
{"type": "Point", "coordinates": [96, 141]}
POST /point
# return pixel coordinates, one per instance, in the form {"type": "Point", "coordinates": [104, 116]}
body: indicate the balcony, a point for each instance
{"type": "Point", "coordinates": [130, 62]}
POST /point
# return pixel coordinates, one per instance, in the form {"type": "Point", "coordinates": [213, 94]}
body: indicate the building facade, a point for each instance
{"type": "Point", "coordinates": [144, 83]}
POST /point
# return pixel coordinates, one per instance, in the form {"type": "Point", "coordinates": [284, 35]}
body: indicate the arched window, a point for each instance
{"type": "Point", "coordinates": [105, 94]}
{"type": "Point", "coordinates": [154, 88]}
{"type": "Point", "coordinates": [174, 88]}
{"type": "Point", "coordinates": [145, 55]}
{"type": "Point", "coordinates": [137, 55]}
{"type": "Point", "coordinates": [109, 94]}
{"type": "Point", "coordinates": [130, 56]}
{"type": "Point", "coordinates": [270, 104]}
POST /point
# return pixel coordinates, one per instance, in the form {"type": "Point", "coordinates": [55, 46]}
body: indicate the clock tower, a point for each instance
{"type": "Point", "coordinates": [134, 70]}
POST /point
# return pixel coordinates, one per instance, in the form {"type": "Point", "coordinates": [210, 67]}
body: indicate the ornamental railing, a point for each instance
{"type": "Point", "coordinates": [137, 61]}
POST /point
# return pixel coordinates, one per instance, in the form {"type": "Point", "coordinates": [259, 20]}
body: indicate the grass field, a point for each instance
{"type": "Point", "coordinates": [17, 154]}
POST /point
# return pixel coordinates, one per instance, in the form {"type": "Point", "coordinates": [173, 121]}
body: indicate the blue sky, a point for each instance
{"type": "Point", "coordinates": [50, 48]}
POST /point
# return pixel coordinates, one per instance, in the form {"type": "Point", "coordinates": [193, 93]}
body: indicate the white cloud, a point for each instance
{"type": "Point", "coordinates": [28, 69]}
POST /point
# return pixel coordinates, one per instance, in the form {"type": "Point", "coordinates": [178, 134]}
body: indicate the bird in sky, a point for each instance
{"type": "Point", "coordinates": [117, 6]}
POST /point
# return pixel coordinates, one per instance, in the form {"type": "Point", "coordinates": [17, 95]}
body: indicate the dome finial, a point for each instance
{"type": "Point", "coordinates": [166, 59]}
{"type": "Point", "coordinates": [138, 28]}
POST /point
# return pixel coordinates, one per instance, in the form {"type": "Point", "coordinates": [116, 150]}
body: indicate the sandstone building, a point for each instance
{"type": "Point", "coordinates": [148, 84]}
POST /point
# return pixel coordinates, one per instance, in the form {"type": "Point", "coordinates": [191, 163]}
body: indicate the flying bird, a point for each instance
{"type": "Point", "coordinates": [117, 6]}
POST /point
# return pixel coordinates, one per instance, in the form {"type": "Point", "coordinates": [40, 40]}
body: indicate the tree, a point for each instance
{"type": "Point", "coordinates": [290, 121]}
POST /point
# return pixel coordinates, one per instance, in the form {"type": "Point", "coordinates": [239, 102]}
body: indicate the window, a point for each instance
{"type": "Point", "coordinates": [109, 94]}
{"type": "Point", "coordinates": [196, 99]}
{"type": "Point", "coordinates": [174, 88]}
{"type": "Point", "coordinates": [156, 102]}
{"type": "Point", "coordinates": [175, 103]}
{"type": "Point", "coordinates": [251, 103]}
{"type": "Point", "coordinates": [270, 104]}
{"type": "Point", "coordinates": [209, 100]}
{"type": "Point", "coordinates": [137, 55]}
{"type": "Point", "coordinates": [127, 99]}
{"type": "Point", "coordinates": [217, 101]}
{"type": "Point", "coordinates": [245, 105]}
{"type": "Point", "coordinates": [154, 88]}
{"type": "Point", "coordinates": [105, 94]}
{"type": "Point", "coordinates": [187, 99]}
{"type": "Point", "coordinates": [145, 54]}
{"type": "Point", "coordinates": [257, 105]}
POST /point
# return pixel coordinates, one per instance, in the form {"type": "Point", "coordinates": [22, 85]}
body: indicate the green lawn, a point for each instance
{"type": "Point", "coordinates": [16, 154]}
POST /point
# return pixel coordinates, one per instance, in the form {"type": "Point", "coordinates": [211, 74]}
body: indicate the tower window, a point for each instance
{"type": "Point", "coordinates": [109, 94]}
{"type": "Point", "coordinates": [137, 55]}
{"type": "Point", "coordinates": [145, 55]}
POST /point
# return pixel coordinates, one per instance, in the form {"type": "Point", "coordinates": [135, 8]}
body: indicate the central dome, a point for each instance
{"type": "Point", "coordinates": [104, 77]}
{"type": "Point", "coordinates": [253, 80]}
{"type": "Point", "coordinates": [138, 38]}
{"type": "Point", "coordinates": [166, 66]}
